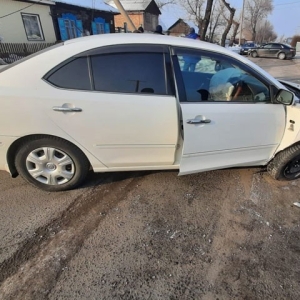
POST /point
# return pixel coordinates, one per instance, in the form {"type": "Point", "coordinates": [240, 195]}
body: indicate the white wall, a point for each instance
{"type": "Point", "coordinates": [12, 28]}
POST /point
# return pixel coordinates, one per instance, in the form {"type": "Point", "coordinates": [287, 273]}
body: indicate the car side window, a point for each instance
{"type": "Point", "coordinates": [72, 75]}
{"type": "Point", "coordinates": [130, 73]}
{"type": "Point", "coordinates": [210, 77]}
{"type": "Point", "coordinates": [268, 46]}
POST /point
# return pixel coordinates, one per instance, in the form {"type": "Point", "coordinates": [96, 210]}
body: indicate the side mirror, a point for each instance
{"type": "Point", "coordinates": [285, 97]}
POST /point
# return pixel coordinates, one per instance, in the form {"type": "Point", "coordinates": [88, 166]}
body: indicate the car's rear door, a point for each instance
{"type": "Point", "coordinates": [219, 132]}
{"type": "Point", "coordinates": [119, 104]}
{"type": "Point", "coordinates": [275, 49]}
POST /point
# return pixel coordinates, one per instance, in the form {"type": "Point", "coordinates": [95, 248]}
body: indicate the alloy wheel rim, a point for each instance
{"type": "Point", "coordinates": [50, 166]}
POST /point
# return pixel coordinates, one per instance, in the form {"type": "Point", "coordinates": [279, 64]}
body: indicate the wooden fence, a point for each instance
{"type": "Point", "coordinates": [11, 52]}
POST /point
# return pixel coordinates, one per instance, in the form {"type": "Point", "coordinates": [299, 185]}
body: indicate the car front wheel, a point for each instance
{"type": "Point", "coordinates": [51, 164]}
{"type": "Point", "coordinates": [286, 164]}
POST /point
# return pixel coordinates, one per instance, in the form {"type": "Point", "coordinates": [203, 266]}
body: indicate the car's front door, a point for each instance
{"type": "Point", "coordinates": [233, 122]}
{"type": "Point", "coordinates": [118, 104]}
{"type": "Point", "coordinates": [265, 51]}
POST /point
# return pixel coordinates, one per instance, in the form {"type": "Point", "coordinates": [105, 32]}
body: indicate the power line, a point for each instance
{"type": "Point", "coordinates": [287, 3]}
{"type": "Point", "coordinates": [20, 9]}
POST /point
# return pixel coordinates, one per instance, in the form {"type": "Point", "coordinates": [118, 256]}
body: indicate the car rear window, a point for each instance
{"type": "Point", "coordinates": [72, 75]}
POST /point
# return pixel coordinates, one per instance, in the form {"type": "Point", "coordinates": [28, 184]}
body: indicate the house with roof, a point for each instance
{"type": "Point", "coordinates": [76, 18]}
{"type": "Point", "coordinates": [48, 21]}
{"type": "Point", "coordinates": [175, 24]}
{"type": "Point", "coordinates": [178, 28]}
{"type": "Point", "coordinates": [143, 13]}
{"type": "Point", "coordinates": [26, 21]}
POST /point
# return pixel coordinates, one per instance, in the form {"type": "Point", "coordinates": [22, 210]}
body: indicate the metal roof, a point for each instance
{"type": "Point", "coordinates": [132, 5]}
{"type": "Point", "coordinates": [96, 4]}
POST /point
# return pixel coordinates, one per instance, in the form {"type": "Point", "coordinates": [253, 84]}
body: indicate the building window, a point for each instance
{"type": "Point", "coordinates": [71, 28]}
{"type": "Point", "coordinates": [33, 27]}
{"type": "Point", "coordinates": [100, 28]}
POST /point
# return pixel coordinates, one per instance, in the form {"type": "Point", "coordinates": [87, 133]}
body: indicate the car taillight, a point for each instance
{"type": "Point", "coordinates": [292, 50]}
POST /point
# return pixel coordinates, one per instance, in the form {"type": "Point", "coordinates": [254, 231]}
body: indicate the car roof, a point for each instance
{"type": "Point", "coordinates": [42, 64]}
{"type": "Point", "coordinates": [144, 38]}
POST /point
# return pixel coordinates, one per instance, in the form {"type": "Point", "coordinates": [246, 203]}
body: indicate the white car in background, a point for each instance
{"type": "Point", "coordinates": [235, 48]}
{"type": "Point", "coordinates": [124, 102]}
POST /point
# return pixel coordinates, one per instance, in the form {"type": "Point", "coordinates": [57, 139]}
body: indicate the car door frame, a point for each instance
{"type": "Point", "coordinates": [128, 48]}
{"type": "Point", "coordinates": [275, 51]}
{"type": "Point", "coordinates": [265, 51]}
{"type": "Point", "coordinates": [182, 97]}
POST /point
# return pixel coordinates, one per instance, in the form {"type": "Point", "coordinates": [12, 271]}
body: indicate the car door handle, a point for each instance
{"type": "Point", "coordinates": [198, 121]}
{"type": "Point", "coordinates": [66, 109]}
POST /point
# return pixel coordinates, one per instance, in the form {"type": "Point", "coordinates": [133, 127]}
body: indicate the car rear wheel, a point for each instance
{"type": "Point", "coordinates": [51, 164]}
{"type": "Point", "coordinates": [254, 54]}
{"type": "Point", "coordinates": [286, 165]}
{"type": "Point", "coordinates": [281, 55]}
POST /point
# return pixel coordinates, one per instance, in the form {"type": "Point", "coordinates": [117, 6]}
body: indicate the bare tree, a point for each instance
{"type": "Point", "coordinates": [216, 19]}
{"type": "Point", "coordinates": [205, 23]}
{"type": "Point", "coordinates": [194, 8]}
{"type": "Point", "coordinates": [265, 31]}
{"type": "Point", "coordinates": [257, 10]}
{"type": "Point", "coordinates": [162, 3]}
{"type": "Point", "coordinates": [229, 22]}
{"type": "Point", "coordinates": [236, 28]}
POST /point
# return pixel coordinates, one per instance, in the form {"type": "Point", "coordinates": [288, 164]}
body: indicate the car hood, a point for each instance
{"type": "Point", "coordinates": [293, 87]}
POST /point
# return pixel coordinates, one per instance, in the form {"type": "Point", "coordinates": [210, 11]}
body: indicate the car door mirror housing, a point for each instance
{"type": "Point", "coordinates": [285, 97]}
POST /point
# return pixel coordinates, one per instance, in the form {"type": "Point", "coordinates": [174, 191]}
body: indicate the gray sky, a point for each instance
{"type": "Point", "coordinates": [285, 17]}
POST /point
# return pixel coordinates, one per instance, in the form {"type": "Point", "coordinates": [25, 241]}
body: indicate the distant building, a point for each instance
{"type": "Point", "coordinates": [177, 27]}
{"type": "Point", "coordinates": [47, 21]}
{"type": "Point", "coordinates": [29, 24]}
{"type": "Point", "coordinates": [76, 18]}
{"type": "Point", "coordinates": [141, 12]}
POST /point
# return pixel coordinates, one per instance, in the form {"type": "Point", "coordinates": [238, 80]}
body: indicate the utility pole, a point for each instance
{"type": "Point", "coordinates": [124, 14]}
{"type": "Point", "coordinates": [242, 23]}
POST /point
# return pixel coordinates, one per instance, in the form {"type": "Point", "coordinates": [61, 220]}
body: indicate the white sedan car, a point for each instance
{"type": "Point", "coordinates": [124, 102]}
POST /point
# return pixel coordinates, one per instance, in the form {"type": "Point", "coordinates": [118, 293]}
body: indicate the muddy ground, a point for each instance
{"type": "Point", "coordinates": [228, 234]}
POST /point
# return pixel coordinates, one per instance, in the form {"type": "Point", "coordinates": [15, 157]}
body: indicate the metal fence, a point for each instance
{"type": "Point", "coordinates": [11, 52]}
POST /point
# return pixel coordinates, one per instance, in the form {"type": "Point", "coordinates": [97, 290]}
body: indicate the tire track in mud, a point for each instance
{"type": "Point", "coordinates": [33, 270]}
{"type": "Point", "coordinates": [227, 229]}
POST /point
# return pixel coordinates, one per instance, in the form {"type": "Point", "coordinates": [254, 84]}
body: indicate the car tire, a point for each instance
{"type": "Point", "coordinates": [286, 164]}
{"type": "Point", "coordinates": [51, 164]}
{"type": "Point", "coordinates": [281, 56]}
{"type": "Point", "coordinates": [254, 54]}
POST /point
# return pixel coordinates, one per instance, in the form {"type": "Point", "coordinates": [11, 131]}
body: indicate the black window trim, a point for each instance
{"type": "Point", "coordinates": [132, 48]}
{"type": "Point", "coordinates": [180, 83]}
{"type": "Point", "coordinates": [61, 65]}
{"type": "Point", "coordinates": [125, 48]}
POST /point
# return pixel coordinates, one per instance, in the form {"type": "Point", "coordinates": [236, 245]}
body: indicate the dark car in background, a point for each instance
{"type": "Point", "coordinates": [246, 47]}
{"type": "Point", "coordinates": [275, 50]}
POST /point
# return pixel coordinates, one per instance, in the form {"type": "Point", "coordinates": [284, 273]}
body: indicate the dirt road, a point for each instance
{"type": "Point", "coordinates": [230, 234]}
